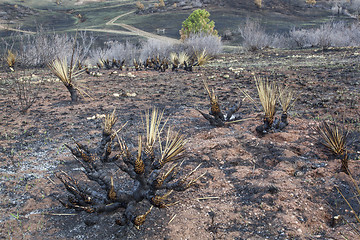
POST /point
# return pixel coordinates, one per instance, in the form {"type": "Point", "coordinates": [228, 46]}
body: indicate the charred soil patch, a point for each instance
{"type": "Point", "coordinates": [277, 186]}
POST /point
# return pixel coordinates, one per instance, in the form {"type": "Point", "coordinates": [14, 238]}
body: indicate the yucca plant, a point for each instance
{"type": "Point", "coordinates": [66, 74]}
{"type": "Point", "coordinates": [11, 59]}
{"type": "Point", "coordinates": [153, 168]}
{"type": "Point", "coordinates": [215, 116]}
{"type": "Point", "coordinates": [334, 138]}
{"type": "Point", "coordinates": [183, 58]}
{"type": "Point", "coordinates": [268, 95]}
{"type": "Point", "coordinates": [356, 192]}
{"type": "Point", "coordinates": [286, 98]}
{"type": "Point", "coordinates": [201, 58]}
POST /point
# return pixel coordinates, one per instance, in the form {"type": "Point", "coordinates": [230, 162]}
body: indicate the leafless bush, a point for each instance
{"type": "Point", "coordinates": [332, 34]}
{"type": "Point", "coordinates": [254, 36]}
{"type": "Point", "coordinates": [200, 42]}
{"type": "Point", "coordinates": [26, 90]}
{"type": "Point", "coordinates": [39, 49]}
{"type": "Point", "coordinates": [154, 47]}
{"type": "Point", "coordinates": [280, 41]}
{"type": "Point", "coordinates": [114, 50]}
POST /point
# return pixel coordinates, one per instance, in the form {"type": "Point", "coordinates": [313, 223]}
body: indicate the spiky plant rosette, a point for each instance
{"type": "Point", "coordinates": [333, 137]}
{"type": "Point", "coordinates": [183, 58]}
{"type": "Point", "coordinates": [286, 99]}
{"type": "Point", "coordinates": [174, 59]}
{"type": "Point", "coordinates": [153, 168]}
{"type": "Point", "coordinates": [268, 96]}
{"type": "Point", "coordinates": [202, 57]}
{"type": "Point", "coordinates": [66, 74]}
{"type": "Point", "coordinates": [60, 68]}
{"type": "Point", "coordinates": [10, 59]}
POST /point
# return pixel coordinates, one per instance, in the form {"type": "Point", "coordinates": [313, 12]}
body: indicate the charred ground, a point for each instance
{"type": "Point", "coordinates": [276, 186]}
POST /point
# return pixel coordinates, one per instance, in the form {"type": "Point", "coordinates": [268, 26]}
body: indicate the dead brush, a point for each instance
{"type": "Point", "coordinates": [334, 138]}
{"type": "Point", "coordinates": [26, 92]}
{"type": "Point", "coordinates": [215, 116]}
{"type": "Point", "coordinates": [152, 168]}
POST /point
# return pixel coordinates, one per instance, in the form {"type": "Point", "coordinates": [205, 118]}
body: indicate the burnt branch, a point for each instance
{"type": "Point", "coordinates": [152, 166]}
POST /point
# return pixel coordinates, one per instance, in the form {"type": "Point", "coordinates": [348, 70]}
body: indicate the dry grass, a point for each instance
{"type": "Point", "coordinates": [139, 5]}
{"type": "Point", "coordinates": [268, 95]}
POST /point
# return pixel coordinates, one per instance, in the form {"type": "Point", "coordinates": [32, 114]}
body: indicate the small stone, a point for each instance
{"type": "Point", "coordinates": [131, 94]}
{"type": "Point", "coordinates": [226, 76]}
{"type": "Point", "coordinates": [116, 95]}
{"type": "Point", "coordinates": [131, 75]}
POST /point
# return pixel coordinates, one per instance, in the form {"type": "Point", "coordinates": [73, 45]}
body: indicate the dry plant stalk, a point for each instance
{"type": "Point", "coordinates": [334, 138]}
{"type": "Point", "coordinates": [154, 181]}
{"type": "Point", "coordinates": [268, 96]}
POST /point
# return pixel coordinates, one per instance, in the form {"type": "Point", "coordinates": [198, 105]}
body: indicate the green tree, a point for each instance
{"type": "Point", "coordinates": [198, 22]}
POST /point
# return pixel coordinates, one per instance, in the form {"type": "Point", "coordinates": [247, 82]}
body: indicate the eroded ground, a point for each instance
{"type": "Point", "coordinates": [277, 186]}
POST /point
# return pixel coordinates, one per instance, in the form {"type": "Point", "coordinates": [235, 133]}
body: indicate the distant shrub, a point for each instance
{"type": "Point", "coordinates": [154, 47]}
{"type": "Point", "coordinates": [161, 3]}
{"type": "Point", "coordinates": [198, 22]}
{"type": "Point", "coordinates": [200, 42]}
{"type": "Point", "coordinates": [114, 50]}
{"type": "Point", "coordinates": [26, 92]}
{"type": "Point", "coordinates": [254, 36]}
{"type": "Point", "coordinates": [333, 34]}
{"type": "Point", "coordinates": [258, 3]}
{"type": "Point", "coordinates": [41, 48]}
{"type": "Point", "coordinates": [311, 2]}
{"type": "Point", "coordinates": [140, 6]}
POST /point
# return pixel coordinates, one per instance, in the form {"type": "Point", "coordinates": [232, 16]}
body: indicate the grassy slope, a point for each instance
{"type": "Point", "coordinates": [63, 17]}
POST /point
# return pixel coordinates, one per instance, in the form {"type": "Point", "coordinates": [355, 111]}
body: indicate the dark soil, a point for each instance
{"type": "Point", "coordinates": [277, 186]}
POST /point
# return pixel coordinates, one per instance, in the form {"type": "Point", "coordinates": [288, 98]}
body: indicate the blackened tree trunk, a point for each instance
{"type": "Point", "coordinates": [73, 93]}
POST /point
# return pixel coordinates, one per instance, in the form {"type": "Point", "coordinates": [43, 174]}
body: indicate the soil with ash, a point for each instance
{"type": "Point", "coordinates": [277, 186]}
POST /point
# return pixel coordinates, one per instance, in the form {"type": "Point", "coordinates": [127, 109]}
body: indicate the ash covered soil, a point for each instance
{"type": "Point", "coordinates": [277, 186]}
